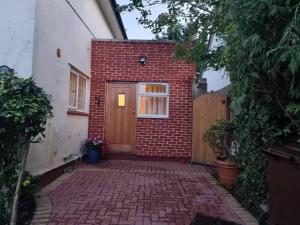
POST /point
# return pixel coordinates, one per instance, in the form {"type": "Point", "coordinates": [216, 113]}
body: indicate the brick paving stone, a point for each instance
{"type": "Point", "coordinates": [43, 203]}
{"type": "Point", "coordinates": [141, 192]}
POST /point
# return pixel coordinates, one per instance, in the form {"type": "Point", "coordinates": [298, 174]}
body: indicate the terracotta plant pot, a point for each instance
{"type": "Point", "coordinates": [228, 173]}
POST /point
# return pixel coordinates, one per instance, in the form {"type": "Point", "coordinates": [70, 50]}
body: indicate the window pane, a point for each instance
{"type": "Point", "coordinates": [153, 105]}
{"type": "Point", "coordinates": [121, 100]}
{"type": "Point", "coordinates": [73, 90]}
{"type": "Point", "coordinates": [153, 88]}
{"type": "Point", "coordinates": [81, 93]}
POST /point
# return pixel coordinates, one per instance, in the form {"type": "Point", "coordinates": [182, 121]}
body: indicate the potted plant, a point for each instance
{"type": "Point", "coordinates": [93, 146]}
{"type": "Point", "coordinates": [220, 136]}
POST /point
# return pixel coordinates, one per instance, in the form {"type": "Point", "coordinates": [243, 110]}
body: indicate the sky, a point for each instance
{"type": "Point", "coordinates": [133, 29]}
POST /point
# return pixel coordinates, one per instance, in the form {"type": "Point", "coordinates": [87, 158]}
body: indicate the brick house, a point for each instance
{"type": "Point", "coordinates": [141, 98]}
{"type": "Point", "coordinates": [79, 71]}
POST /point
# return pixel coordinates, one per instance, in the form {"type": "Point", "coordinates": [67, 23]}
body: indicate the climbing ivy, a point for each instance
{"type": "Point", "coordinates": [262, 53]}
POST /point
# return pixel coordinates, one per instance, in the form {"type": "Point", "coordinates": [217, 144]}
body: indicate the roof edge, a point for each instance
{"type": "Point", "coordinates": [134, 40]}
{"type": "Point", "coordinates": [114, 6]}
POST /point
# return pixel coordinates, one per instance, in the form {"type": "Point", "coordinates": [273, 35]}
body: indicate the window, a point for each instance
{"type": "Point", "coordinates": [153, 100]}
{"type": "Point", "coordinates": [121, 100]}
{"type": "Point", "coordinates": [77, 91]}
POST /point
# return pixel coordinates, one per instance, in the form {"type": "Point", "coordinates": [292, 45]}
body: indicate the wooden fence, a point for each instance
{"type": "Point", "coordinates": [207, 109]}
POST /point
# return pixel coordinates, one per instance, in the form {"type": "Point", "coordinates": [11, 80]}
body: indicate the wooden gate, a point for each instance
{"type": "Point", "coordinates": [207, 109]}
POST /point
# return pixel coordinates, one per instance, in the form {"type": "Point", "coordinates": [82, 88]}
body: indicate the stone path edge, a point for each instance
{"type": "Point", "coordinates": [244, 215]}
{"type": "Point", "coordinates": [44, 205]}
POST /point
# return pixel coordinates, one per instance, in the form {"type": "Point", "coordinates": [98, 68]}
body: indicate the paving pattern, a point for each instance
{"type": "Point", "coordinates": [138, 193]}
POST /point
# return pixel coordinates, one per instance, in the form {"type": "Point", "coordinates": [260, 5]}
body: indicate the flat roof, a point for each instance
{"type": "Point", "coordinates": [134, 40]}
{"type": "Point", "coordinates": [118, 17]}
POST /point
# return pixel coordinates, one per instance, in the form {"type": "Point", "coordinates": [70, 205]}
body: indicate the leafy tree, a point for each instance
{"type": "Point", "coordinates": [24, 111]}
{"type": "Point", "coordinates": [260, 48]}
{"type": "Point", "coordinates": [188, 22]}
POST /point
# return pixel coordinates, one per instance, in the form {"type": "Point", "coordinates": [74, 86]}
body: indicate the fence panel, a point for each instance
{"type": "Point", "coordinates": [207, 109]}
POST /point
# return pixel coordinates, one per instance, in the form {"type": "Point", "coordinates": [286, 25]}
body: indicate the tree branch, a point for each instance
{"type": "Point", "coordinates": [14, 214]}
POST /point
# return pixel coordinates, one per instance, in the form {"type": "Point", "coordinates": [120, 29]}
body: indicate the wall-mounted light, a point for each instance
{"type": "Point", "coordinates": [58, 53]}
{"type": "Point", "coordinates": [142, 60]}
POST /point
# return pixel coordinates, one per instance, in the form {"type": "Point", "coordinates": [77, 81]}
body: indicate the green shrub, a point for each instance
{"type": "Point", "coordinates": [26, 202]}
{"type": "Point", "coordinates": [220, 137]}
{"type": "Point", "coordinates": [24, 111]}
{"type": "Point", "coordinates": [261, 51]}
{"type": "Point", "coordinates": [3, 208]}
{"type": "Point", "coordinates": [27, 199]}
{"type": "Point", "coordinates": [262, 55]}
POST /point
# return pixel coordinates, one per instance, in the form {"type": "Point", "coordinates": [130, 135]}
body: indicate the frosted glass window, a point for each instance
{"type": "Point", "coordinates": [153, 100]}
{"type": "Point", "coordinates": [121, 100]}
{"type": "Point", "coordinates": [153, 88]}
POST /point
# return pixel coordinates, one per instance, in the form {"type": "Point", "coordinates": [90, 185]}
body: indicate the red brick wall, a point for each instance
{"type": "Point", "coordinates": [118, 61]}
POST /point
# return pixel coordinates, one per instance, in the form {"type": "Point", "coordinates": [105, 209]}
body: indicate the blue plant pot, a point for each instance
{"type": "Point", "coordinates": [93, 155]}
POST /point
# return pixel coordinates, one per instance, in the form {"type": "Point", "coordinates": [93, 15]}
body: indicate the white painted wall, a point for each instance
{"type": "Point", "coordinates": [90, 13]}
{"type": "Point", "coordinates": [216, 80]}
{"type": "Point", "coordinates": [16, 29]}
{"type": "Point", "coordinates": [57, 26]}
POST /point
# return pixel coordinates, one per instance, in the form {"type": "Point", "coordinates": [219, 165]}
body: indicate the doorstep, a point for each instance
{"type": "Point", "coordinates": [135, 157]}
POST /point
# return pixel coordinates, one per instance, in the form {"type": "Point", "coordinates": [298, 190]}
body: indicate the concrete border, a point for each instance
{"type": "Point", "coordinates": [244, 215]}
{"type": "Point", "coordinates": [44, 204]}
{"type": "Point", "coordinates": [135, 40]}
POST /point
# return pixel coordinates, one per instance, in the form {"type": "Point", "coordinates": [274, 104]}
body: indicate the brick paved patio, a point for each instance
{"type": "Point", "coordinates": [138, 192]}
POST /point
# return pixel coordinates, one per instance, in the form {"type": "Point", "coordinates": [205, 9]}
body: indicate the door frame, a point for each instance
{"type": "Point", "coordinates": [107, 83]}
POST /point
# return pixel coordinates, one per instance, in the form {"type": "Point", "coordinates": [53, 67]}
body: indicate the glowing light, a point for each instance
{"type": "Point", "coordinates": [121, 100]}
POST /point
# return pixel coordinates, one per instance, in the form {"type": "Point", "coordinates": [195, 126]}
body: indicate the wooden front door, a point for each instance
{"type": "Point", "coordinates": [120, 124]}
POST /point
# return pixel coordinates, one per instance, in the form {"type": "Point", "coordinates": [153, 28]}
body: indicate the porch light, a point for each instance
{"type": "Point", "coordinates": [143, 60]}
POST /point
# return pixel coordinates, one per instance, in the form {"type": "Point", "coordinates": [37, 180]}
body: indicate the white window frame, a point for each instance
{"type": "Point", "coordinates": [78, 74]}
{"type": "Point", "coordinates": [149, 94]}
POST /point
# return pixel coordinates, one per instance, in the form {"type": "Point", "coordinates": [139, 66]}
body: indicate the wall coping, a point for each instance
{"type": "Point", "coordinates": [133, 40]}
